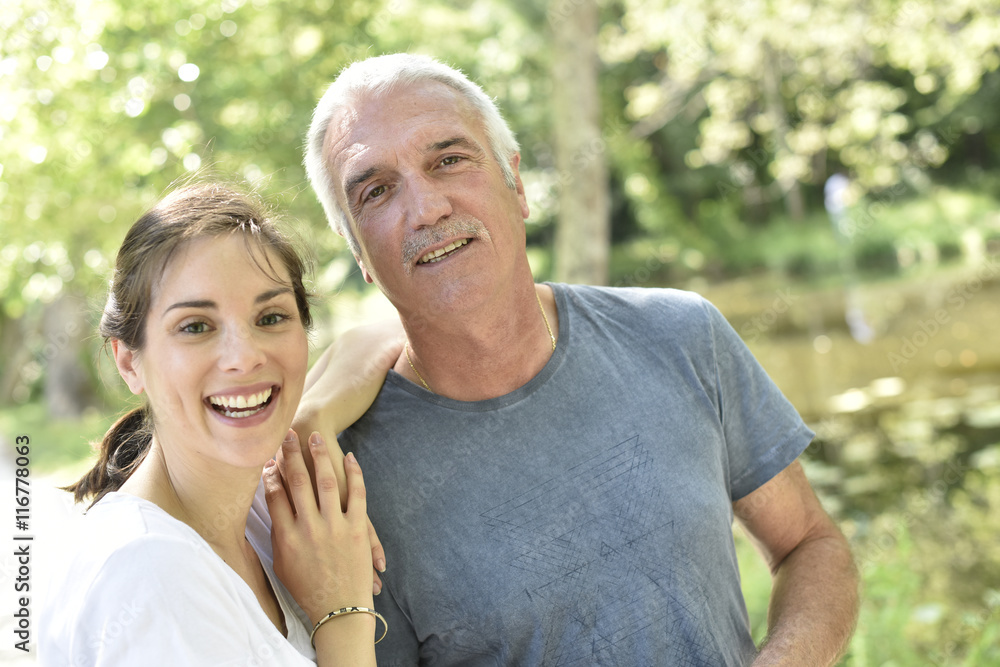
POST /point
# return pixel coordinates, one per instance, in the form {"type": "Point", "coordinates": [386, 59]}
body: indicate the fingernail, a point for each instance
{"type": "Point", "coordinates": [380, 564]}
{"type": "Point", "coordinates": [290, 435]}
{"type": "Point", "coordinates": [350, 457]}
{"type": "Point", "coordinates": [315, 439]}
{"type": "Point", "coordinates": [269, 464]}
{"type": "Point", "coordinates": [376, 588]}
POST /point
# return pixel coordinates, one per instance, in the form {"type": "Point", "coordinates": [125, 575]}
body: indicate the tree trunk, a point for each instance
{"type": "Point", "coordinates": [67, 385]}
{"type": "Point", "coordinates": [791, 189]}
{"type": "Point", "coordinates": [14, 354]}
{"type": "Point", "coordinates": [583, 230]}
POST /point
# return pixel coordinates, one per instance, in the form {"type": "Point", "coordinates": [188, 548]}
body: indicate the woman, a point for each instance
{"type": "Point", "coordinates": [207, 315]}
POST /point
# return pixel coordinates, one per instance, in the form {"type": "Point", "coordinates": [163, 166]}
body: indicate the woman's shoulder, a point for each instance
{"type": "Point", "coordinates": [120, 520]}
{"type": "Point", "coordinates": [128, 538]}
{"type": "Point", "coordinates": [126, 555]}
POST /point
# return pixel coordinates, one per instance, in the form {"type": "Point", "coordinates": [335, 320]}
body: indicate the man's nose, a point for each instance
{"type": "Point", "coordinates": [429, 203]}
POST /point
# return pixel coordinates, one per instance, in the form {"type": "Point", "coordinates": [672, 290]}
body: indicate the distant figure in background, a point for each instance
{"type": "Point", "coordinates": [555, 469]}
{"type": "Point", "coordinates": [835, 199]}
{"type": "Point", "coordinates": [207, 315]}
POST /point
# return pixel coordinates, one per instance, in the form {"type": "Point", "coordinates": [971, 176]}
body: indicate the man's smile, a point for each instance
{"type": "Point", "coordinates": [441, 253]}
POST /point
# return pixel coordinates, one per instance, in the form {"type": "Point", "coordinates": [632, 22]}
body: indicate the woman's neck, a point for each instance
{"type": "Point", "coordinates": [215, 504]}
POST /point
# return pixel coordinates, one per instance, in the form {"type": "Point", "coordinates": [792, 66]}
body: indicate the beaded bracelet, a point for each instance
{"type": "Point", "coordinates": [350, 610]}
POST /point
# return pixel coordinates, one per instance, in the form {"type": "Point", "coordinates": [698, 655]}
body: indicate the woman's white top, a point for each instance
{"type": "Point", "coordinates": [143, 588]}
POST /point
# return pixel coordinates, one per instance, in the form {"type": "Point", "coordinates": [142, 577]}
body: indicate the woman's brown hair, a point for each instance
{"type": "Point", "coordinates": [191, 212]}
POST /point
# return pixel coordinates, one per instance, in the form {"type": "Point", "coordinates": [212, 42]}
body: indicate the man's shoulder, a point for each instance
{"type": "Point", "coordinates": [645, 302]}
{"type": "Point", "coordinates": [630, 294]}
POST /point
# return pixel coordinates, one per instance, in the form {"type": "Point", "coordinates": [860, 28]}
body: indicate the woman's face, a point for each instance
{"type": "Point", "coordinates": [225, 355]}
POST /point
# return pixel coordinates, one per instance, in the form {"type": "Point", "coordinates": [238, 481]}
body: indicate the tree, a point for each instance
{"type": "Point", "coordinates": [583, 232]}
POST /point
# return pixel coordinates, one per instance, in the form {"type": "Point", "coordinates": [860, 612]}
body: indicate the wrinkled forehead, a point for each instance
{"type": "Point", "coordinates": [369, 124]}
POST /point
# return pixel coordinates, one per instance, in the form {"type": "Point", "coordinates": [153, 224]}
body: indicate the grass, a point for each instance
{"type": "Point", "coordinates": [54, 444]}
{"type": "Point", "coordinates": [902, 623]}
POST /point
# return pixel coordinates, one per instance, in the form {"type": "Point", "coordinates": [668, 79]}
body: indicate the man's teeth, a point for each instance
{"type": "Point", "coordinates": [254, 403]}
{"type": "Point", "coordinates": [435, 256]}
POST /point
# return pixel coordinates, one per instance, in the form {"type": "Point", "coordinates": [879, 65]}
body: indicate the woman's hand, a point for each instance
{"type": "Point", "coordinates": [322, 554]}
{"type": "Point", "coordinates": [341, 385]}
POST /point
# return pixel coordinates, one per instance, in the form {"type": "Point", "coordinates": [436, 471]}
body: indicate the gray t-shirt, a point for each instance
{"type": "Point", "coordinates": [585, 518]}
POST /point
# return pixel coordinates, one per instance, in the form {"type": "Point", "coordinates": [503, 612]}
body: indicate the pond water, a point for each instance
{"type": "Point", "coordinates": [907, 420]}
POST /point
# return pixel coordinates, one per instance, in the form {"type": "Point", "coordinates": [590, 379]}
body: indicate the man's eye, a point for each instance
{"type": "Point", "coordinates": [376, 192]}
{"type": "Point", "coordinates": [194, 328]}
{"type": "Point", "coordinates": [451, 159]}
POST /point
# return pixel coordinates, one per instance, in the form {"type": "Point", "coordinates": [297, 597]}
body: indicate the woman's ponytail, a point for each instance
{"type": "Point", "coordinates": [123, 448]}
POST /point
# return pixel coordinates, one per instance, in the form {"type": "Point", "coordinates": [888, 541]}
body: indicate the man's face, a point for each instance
{"type": "Point", "coordinates": [439, 229]}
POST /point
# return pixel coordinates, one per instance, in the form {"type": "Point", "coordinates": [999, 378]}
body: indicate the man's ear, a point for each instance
{"type": "Point", "coordinates": [515, 162]}
{"type": "Point", "coordinates": [128, 366]}
{"type": "Point", "coordinates": [364, 271]}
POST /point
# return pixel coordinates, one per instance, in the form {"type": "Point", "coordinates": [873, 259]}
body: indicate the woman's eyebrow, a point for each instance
{"type": "Point", "coordinates": [191, 304]}
{"type": "Point", "coordinates": [205, 303]}
{"type": "Point", "coordinates": [270, 294]}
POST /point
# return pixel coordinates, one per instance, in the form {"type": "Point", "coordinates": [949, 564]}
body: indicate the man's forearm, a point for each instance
{"type": "Point", "coordinates": [814, 605]}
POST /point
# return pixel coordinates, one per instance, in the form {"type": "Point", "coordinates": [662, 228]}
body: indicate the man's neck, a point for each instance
{"type": "Point", "coordinates": [483, 354]}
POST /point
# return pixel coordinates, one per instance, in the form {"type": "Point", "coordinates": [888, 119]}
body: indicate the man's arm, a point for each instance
{"type": "Point", "coordinates": [344, 381]}
{"type": "Point", "coordinates": [814, 597]}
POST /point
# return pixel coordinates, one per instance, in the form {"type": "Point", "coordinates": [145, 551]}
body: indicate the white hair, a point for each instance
{"type": "Point", "coordinates": [379, 75]}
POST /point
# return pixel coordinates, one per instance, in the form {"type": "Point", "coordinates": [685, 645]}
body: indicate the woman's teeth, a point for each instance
{"type": "Point", "coordinates": [233, 406]}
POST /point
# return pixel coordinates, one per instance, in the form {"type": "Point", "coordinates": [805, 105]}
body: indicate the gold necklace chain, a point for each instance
{"type": "Point", "coordinates": [406, 346]}
{"type": "Point", "coordinates": [546, 320]}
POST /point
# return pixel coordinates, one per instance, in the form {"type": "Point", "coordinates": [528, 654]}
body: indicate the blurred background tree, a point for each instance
{"type": "Point", "coordinates": [676, 142]}
{"type": "Point", "coordinates": [714, 121]}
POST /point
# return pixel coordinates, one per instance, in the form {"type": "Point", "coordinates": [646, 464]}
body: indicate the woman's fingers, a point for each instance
{"type": "Point", "coordinates": [276, 497]}
{"type": "Point", "coordinates": [295, 474]}
{"type": "Point", "coordinates": [356, 502]}
{"type": "Point", "coordinates": [378, 558]}
{"type": "Point", "coordinates": [327, 489]}
{"type": "Point", "coordinates": [378, 553]}
{"type": "Point", "coordinates": [323, 554]}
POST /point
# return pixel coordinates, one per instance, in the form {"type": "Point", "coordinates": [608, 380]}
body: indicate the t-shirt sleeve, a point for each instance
{"type": "Point", "coordinates": [763, 431]}
{"type": "Point", "coordinates": [400, 646]}
{"type": "Point", "coordinates": [154, 602]}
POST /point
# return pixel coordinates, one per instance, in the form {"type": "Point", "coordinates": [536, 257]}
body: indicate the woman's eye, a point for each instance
{"type": "Point", "coordinates": [194, 328]}
{"type": "Point", "coordinates": [271, 319]}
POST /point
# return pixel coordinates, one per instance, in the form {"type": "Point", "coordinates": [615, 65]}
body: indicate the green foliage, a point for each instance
{"type": "Point", "coordinates": [106, 104]}
{"type": "Point", "coordinates": [904, 620]}
{"type": "Point", "coordinates": [55, 445]}
{"type": "Point", "coordinates": [713, 114]}
{"type": "Point", "coordinates": [718, 117]}
{"type": "Point", "coordinates": [739, 113]}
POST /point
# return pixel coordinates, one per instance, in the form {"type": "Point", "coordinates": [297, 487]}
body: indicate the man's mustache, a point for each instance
{"type": "Point", "coordinates": [416, 245]}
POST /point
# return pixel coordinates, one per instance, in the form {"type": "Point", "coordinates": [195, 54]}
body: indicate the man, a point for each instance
{"type": "Point", "coordinates": [554, 469]}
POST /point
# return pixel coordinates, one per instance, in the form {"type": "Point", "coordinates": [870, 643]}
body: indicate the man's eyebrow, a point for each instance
{"type": "Point", "coordinates": [461, 142]}
{"type": "Point", "coordinates": [205, 303]}
{"type": "Point", "coordinates": [358, 179]}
